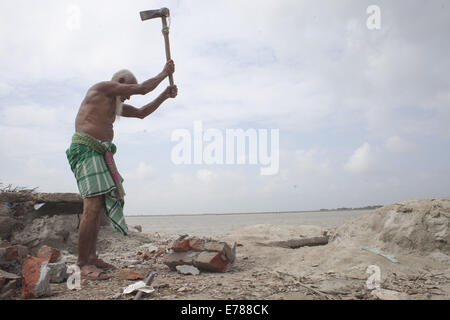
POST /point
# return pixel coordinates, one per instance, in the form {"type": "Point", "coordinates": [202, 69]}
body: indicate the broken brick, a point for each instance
{"type": "Point", "coordinates": [178, 258]}
{"type": "Point", "coordinates": [35, 278]}
{"type": "Point", "coordinates": [48, 253]}
{"type": "Point", "coordinates": [181, 245]}
{"type": "Point", "coordinates": [197, 244]}
{"type": "Point", "coordinates": [14, 253]}
{"type": "Point", "coordinates": [212, 261]}
{"type": "Point", "coordinates": [128, 274]}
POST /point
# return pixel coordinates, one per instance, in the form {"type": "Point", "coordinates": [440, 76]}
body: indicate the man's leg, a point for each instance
{"type": "Point", "coordinates": [93, 258]}
{"type": "Point", "coordinates": [87, 236]}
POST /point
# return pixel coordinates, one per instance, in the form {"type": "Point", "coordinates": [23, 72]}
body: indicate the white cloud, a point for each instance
{"type": "Point", "coordinates": [205, 175]}
{"type": "Point", "coordinates": [360, 161]}
{"type": "Point", "coordinates": [143, 171]}
{"type": "Point", "coordinates": [395, 144]}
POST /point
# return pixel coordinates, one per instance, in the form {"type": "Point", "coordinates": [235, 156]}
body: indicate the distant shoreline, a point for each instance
{"type": "Point", "coordinates": [267, 212]}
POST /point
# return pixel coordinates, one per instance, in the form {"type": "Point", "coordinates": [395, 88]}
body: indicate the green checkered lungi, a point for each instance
{"type": "Point", "coordinates": [93, 177]}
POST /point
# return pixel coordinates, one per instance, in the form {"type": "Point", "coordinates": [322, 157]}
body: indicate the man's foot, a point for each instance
{"type": "Point", "coordinates": [99, 263]}
{"type": "Point", "coordinates": [91, 272]}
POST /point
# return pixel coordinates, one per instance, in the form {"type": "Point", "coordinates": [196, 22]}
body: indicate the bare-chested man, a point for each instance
{"type": "Point", "coordinates": [90, 157]}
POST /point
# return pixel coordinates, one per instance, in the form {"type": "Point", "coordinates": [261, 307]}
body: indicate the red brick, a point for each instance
{"type": "Point", "coordinates": [128, 274]}
{"type": "Point", "coordinates": [220, 247]}
{"type": "Point", "coordinates": [197, 244]}
{"type": "Point", "coordinates": [181, 245]}
{"type": "Point", "coordinates": [48, 253]}
{"type": "Point", "coordinates": [177, 258]}
{"type": "Point", "coordinates": [212, 261]}
{"type": "Point", "coordinates": [14, 253]}
{"type": "Point", "coordinates": [35, 278]}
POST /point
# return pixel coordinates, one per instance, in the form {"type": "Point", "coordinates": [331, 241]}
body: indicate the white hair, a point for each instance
{"type": "Point", "coordinates": [125, 74]}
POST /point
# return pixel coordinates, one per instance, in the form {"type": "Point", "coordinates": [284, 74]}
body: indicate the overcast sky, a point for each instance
{"type": "Point", "coordinates": [363, 115]}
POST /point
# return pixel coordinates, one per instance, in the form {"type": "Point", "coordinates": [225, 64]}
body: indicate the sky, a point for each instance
{"type": "Point", "coordinates": [363, 114]}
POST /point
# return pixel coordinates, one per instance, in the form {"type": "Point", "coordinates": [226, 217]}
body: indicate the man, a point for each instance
{"type": "Point", "coordinates": [91, 161]}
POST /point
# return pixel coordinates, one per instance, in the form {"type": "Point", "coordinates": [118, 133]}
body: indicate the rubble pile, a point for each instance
{"type": "Point", "coordinates": [204, 254]}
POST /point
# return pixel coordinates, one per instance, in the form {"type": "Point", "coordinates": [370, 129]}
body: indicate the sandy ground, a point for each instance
{"type": "Point", "coordinates": [338, 270]}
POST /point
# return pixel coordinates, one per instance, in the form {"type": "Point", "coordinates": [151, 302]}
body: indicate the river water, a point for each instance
{"type": "Point", "coordinates": [215, 224]}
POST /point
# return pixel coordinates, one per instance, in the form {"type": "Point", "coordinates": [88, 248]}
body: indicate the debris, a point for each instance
{"type": "Point", "coordinates": [12, 258]}
{"type": "Point", "coordinates": [297, 243]}
{"type": "Point", "coordinates": [212, 261]}
{"type": "Point", "coordinates": [8, 225]}
{"type": "Point", "coordinates": [205, 254]}
{"type": "Point", "coordinates": [128, 274]}
{"type": "Point", "coordinates": [137, 228]}
{"type": "Point", "coordinates": [139, 286]}
{"type": "Point", "coordinates": [39, 197]}
{"type": "Point", "coordinates": [11, 285]}
{"type": "Point", "coordinates": [57, 231]}
{"type": "Point", "coordinates": [8, 283]}
{"type": "Point", "coordinates": [58, 272]}
{"type": "Point", "coordinates": [178, 258]}
{"type": "Point", "coordinates": [35, 278]}
{"type": "Point", "coordinates": [384, 294]}
{"type": "Point", "coordinates": [48, 253]}
{"type": "Point", "coordinates": [148, 281]}
{"type": "Point", "coordinates": [17, 252]}
{"type": "Point", "coordinates": [387, 256]}
{"type": "Point", "coordinates": [440, 257]}
{"type": "Point", "coordinates": [187, 269]}
{"type": "Point", "coordinates": [8, 276]}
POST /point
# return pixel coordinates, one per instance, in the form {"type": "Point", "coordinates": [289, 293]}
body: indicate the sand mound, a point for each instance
{"type": "Point", "coordinates": [420, 226]}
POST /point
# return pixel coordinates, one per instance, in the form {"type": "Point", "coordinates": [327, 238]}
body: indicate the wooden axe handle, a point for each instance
{"type": "Point", "coordinates": [165, 32]}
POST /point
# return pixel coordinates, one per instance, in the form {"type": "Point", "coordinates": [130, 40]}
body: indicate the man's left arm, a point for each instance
{"type": "Point", "coordinates": [141, 113]}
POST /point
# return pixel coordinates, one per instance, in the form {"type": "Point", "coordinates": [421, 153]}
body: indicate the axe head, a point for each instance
{"type": "Point", "coordinates": [151, 14]}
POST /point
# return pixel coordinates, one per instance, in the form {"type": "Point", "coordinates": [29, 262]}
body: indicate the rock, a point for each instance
{"type": "Point", "coordinates": [178, 258]}
{"type": "Point", "coordinates": [48, 253]}
{"type": "Point", "coordinates": [137, 228]}
{"type": "Point", "coordinates": [11, 285]}
{"type": "Point", "coordinates": [187, 269]}
{"type": "Point", "coordinates": [16, 252]}
{"type": "Point", "coordinates": [384, 294]}
{"type": "Point", "coordinates": [212, 261]}
{"type": "Point", "coordinates": [12, 258]}
{"type": "Point", "coordinates": [58, 272]}
{"type": "Point", "coordinates": [127, 274]}
{"type": "Point", "coordinates": [8, 276]}
{"type": "Point", "coordinates": [7, 295]}
{"type": "Point", "coordinates": [8, 281]}
{"type": "Point", "coordinates": [35, 278]}
{"type": "Point", "coordinates": [440, 257]}
{"type": "Point", "coordinates": [58, 231]}
{"type": "Point", "coordinates": [4, 244]}
{"type": "Point", "coordinates": [8, 225]}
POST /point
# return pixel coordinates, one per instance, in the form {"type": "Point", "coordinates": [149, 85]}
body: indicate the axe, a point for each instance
{"type": "Point", "coordinates": [162, 13]}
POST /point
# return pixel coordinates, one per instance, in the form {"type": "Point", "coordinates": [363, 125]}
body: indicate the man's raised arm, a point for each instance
{"type": "Point", "coordinates": [141, 113]}
{"type": "Point", "coordinates": [114, 89]}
